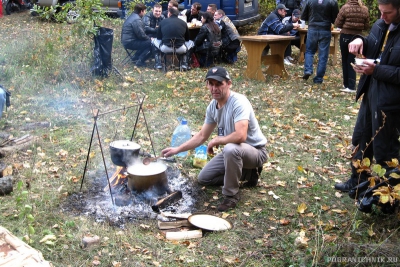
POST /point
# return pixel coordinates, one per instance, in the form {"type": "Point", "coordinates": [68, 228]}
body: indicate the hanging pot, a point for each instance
{"type": "Point", "coordinates": [144, 177]}
{"type": "Point", "coordinates": [123, 152]}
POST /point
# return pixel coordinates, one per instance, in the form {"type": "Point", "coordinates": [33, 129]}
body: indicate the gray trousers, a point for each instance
{"type": "Point", "coordinates": [226, 167]}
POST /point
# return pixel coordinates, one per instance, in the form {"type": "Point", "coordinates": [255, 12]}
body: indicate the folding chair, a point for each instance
{"type": "Point", "coordinates": [169, 59]}
{"type": "Point", "coordinates": [129, 57]}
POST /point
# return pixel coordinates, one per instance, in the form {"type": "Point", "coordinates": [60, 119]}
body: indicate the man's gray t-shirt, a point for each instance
{"type": "Point", "coordinates": [237, 108]}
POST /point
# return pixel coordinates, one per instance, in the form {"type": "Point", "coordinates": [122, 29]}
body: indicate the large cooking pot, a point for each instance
{"type": "Point", "coordinates": [123, 152]}
{"type": "Point", "coordinates": [145, 177]}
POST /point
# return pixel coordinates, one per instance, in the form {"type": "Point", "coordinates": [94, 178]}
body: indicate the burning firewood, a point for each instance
{"type": "Point", "coordinates": [166, 201]}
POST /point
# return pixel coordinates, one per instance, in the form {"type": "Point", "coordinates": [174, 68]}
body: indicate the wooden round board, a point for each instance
{"type": "Point", "coordinates": [209, 222]}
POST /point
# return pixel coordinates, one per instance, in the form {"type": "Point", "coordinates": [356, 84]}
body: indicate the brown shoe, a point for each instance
{"type": "Point", "coordinates": [229, 203]}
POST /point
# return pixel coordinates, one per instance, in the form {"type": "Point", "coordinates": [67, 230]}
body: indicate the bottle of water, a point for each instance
{"type": "Point", "coordinates": [181, 135]}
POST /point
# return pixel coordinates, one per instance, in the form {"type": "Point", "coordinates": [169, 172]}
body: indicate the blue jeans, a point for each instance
{"type": "Point", "coordinates": [321, 40]}
{"type": "Point", "coordinates": [2, 100]}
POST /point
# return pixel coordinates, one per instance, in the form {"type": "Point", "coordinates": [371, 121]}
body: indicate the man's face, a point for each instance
{"type": "Point", "coordinates": [193, 10]}
{"type": "Point", "coordinates": [157, 12]}
{"type": "Point", "coordinates": [217, 16]}
{"type": "Point", "coordinates": [282, 12]}
{"type": "Point", "coordinates": [295, 19]}
{"type": "Point", "coordinates": [389, 13]}
{"type": "Point", "coordinates": [141, 14]}
{"type": "Point", "coordinates": [219, 90]}
{"type": "Point", "coordinates": [209, 9]}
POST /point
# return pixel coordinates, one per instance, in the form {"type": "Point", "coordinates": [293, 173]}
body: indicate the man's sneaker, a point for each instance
{"type": "Point", "coordinates": [346, 186]}
{"type": "Point", "coordinates": [306, 76]}
{"type": "Point", "coordinates": [229, 203]}
{"type": "Point", "coordinates": [348, 90]}
{"type": "Point", "coordinates": [289, 58]}
{"type": "Point", "coordinates": [287, 62]}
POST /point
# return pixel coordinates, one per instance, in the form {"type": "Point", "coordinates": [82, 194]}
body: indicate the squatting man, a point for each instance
{"type": "Point", "coordinates": [238, 131]}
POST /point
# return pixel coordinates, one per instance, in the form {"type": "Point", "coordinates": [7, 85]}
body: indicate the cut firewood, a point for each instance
{"type": "Point", "coordinates": [89, 241]}
{"type": "Point", "coordinates": [173, 224]}
{"type": "Point", "coordinates": [184, 235]}
{"type": "Point", "coordinates": [6, 185]}
{"type": "Point", "coordinates": [166, 201]}
{"type": "Point", "coordinates": [176, 215]}
{"type": "Point", "coordinates": [16, 147]}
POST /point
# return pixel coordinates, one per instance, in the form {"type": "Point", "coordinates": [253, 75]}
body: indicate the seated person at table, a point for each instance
{"type": "Point", "coordinates": [152, 20]}
{"type": "Point", "coordinates": [212, 8]}
{"type": "Point", "coordinates": [194, 12]}
{"type": "Point", "coordinates": [208, 41]}
{"type": "Point", "coordinates": [273, 25]}
{"type": "Point", "coordinates": [294, 18]}
{"type": "Point", "coordinates": [172, 32]}
{"type": "Point", "coordinates": [229, 35]}
{"type": "Point", "coordinates": [171, 3]}
{"type": "Point", "coordinates": [133, 36]}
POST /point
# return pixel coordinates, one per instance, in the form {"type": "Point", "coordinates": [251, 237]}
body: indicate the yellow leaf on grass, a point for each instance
{"type": "Point", "coordinates": [339, 211]}
{"type": "Point", "coordinates": [301, 208]}
{"type": "Point", "coordinates": [325, 208]}
{"type": "Point", "coordinates": [246, 214]}
{"type": "Point", "coordinates": [371, 231]}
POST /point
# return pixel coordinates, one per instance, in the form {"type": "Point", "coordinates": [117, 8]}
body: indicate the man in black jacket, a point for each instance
{"type": "Point", "coordinates": [152, 20]}
{"type": "Point", "coordinates": [194, 12]}
{"type": "Point", "coordinates": [320, 15]}
{"type": "Point", "coordinates": [173, 33]}
{"type": "Point", "coordinates": [377, 129]}
{"type": "Point", "coordinates": [133, 36]}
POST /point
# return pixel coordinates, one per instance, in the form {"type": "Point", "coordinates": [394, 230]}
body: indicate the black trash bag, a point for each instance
{"type": "Point", "coordinates": [102, 63]}
{"type": "Point", "coordinates": [365, 197]}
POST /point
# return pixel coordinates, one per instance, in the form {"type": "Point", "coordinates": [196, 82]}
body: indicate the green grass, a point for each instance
{"type": "Point", "coordinates": [308, 129]}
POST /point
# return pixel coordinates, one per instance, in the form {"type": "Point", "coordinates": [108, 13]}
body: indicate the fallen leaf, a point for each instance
{"type": "Point", "coordinates": [246, 214]}
{"type": "Point", "coordinates": [301, 208]}
{"type": "Point", "coordinates": [338, 195]}
{"type": "Point", "coordinates": [284, 221]}
{"type": "Point", "coordinates": [47, 238]}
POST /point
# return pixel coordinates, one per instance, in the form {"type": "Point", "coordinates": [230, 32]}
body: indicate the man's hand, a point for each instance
{"type": "Point", "coordinates": [367, 69]}
{"type": "Point", "coordinates": [213, 143]}
{"type": "Point", "coordinates": [356, 47]}
{"type": "Point", "coordinates": [296, 25]}
{"type": "Point", "coordinates": [169, 151]}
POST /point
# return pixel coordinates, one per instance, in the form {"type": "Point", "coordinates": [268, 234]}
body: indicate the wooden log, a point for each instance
{"type": "Point", "coordinates": [4, 151]}
{"type": "Point", "coordinates": [176, 215]}
{"type": "Point", "coordinates": [184, 235]}
{"type": "Point", "coordinates": [168, 200]}
{"type": "Point", "coordinates": [173, 224]}
{"type": "Point", "coordinates": [89, 241]}
{"type": "Point", "coordinates": [6, 186]}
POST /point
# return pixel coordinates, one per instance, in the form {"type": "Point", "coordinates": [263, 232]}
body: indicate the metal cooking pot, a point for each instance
{"type": "Point", "coordinates": [144, 177]}
{"type": "Point", "coordinates": [123, 152]}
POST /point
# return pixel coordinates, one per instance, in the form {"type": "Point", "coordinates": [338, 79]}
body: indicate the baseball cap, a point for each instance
{"type": "Point", "coordinates": [218, 73]}
{"type": "Point", "coordinates": [296, 13]}
{"type": "Point", "coordinates": [281, 6]}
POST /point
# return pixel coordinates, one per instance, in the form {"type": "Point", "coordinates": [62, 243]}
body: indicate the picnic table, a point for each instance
{"type": "Point", "coordinates": [193, 31]}
{"type": "Point", "coordinates": [255, 45]}
{"type": "Point", "coordinates": [333, 49]}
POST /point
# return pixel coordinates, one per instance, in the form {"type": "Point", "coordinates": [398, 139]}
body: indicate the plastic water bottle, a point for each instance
{"type": "Point", "coordinates": [181, 135]}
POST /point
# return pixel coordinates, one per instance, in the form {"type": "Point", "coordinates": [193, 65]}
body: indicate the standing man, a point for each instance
{"type": "Point", "coordinates": [194, 12]}
{"type": "Point", "coordinates": [291, 5]}
{"type": "Point", "coordinates": [320, 15]}
{"type": "Point", "coordinates": [133, 36]}
{"type": "Point", "coordinates": [238, 130]}
{"type": "Point", "coordinates": [273, 25]}
{"type": "Point", "coordinates": [173, 32]}
{"type": "Point", "coordinates": [378, 121]}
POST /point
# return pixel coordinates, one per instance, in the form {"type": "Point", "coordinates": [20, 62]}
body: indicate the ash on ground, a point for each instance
{"type": "Point", "coordinates": [97, 202]}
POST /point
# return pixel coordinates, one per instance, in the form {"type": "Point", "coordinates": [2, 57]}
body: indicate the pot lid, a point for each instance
{"type": "Point", "coordinates": [139, 169]}
{"type": "Point", "coordinates": [209, 222]}
{"type": "Point", "coordinates": [125, 144]}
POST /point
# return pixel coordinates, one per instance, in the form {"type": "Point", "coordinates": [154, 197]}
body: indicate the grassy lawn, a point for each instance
{"type": "Point", "coordinates": [293, 217]}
